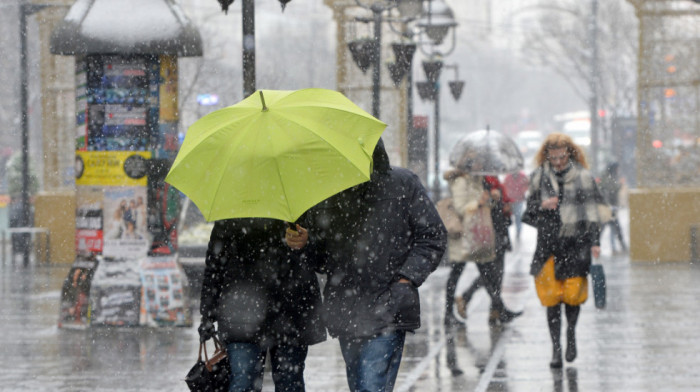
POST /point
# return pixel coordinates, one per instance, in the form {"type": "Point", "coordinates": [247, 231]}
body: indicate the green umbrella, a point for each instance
{"type": "Point", "coordinates": [275, 154]}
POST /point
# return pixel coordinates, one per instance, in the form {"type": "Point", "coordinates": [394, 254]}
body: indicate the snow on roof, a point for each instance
{"type": "Point", "coordinates": [126, 27]}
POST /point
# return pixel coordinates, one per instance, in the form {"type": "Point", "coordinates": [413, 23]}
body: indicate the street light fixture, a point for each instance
{"type": "Point", "coordinates": [403, 59]}
{"type": "Point", "coordinates": [436, 22]}
{"type": "Point", "coordinates": [366, 52]}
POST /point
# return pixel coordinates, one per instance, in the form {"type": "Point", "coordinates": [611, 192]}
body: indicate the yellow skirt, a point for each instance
{"type": "Point", "coordinates": [550, 291]}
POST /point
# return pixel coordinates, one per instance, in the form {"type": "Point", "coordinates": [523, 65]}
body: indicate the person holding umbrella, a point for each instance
{"type": "Point", "coordinates": [478, 196]}
{"type": "Point", "coordinates": [472, 195]}
{"type": "Point", "coordinates": [564, 201]}
{"type": "Point", "coordinates": [377, 242]}
{"type": "Point", "coordinates": [516, 187]}
{"type": "Point", "coordinates": [253, 166]}
{"type": "Point", "coordinates": [264, 297]}
{"type": "Point", "coordinates": [500, 204]}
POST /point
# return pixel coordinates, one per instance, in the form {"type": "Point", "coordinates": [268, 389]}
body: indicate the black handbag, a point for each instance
{"type": "Point", "coordinates": [211, 374]}
{"type": "Point", "coordinates": [530, 217]}
{"type": "Point", "coordinates": [598, 276]}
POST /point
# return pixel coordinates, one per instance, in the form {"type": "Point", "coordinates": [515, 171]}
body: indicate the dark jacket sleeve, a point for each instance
{"type": "Point", "coordinates": [219, 249]}
{"type": "Point", "coordinates": [430, 236]}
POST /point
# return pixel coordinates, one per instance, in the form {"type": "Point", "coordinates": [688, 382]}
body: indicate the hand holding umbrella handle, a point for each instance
{"type": "Point", "coordinates": [297, 237]}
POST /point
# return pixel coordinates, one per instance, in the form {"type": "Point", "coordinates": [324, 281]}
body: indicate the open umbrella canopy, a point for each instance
{"type": "Point", "coordinates": [486, 152]}
{"type": "Point", "coordinates": [275, 154]}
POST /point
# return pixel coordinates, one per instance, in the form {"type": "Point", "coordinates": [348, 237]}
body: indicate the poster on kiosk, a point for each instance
{"type": "Point", "coordinates": [127, 273]}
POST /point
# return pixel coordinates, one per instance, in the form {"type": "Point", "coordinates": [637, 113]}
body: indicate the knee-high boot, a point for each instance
{"type": "Point", "coordinates": [571, 319]}
{"type": "Point", "coordinates": [554, 322]}
{"type": "Point", "coordinates": [452, 280]}
{"type": "Point", "coordinates": [488, 274]}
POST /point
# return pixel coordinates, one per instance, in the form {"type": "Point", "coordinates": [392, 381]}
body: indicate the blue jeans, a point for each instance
{"type": "Point", "coordinates": [372, 364]}
{"type": "Point", "coordinates": [248, 362]}
{"type": "Point", "coordinates": [518, 208]}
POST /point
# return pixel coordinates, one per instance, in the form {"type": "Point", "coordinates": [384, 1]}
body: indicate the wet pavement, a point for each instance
{"type": "Point", "coordinates": [646, 339]}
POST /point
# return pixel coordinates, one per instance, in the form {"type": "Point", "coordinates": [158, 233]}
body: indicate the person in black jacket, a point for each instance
{"type": "Point", "coordinates": [263, 297]}
{"type": "Point", "coordinates": [377, 242]}
{"type": "Point", "coordinates": [565, 201]}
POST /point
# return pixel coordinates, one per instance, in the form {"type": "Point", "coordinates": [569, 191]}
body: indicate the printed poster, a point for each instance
{"type": "Point", "coordinates": [168, 89]}
{"type": "Point", "coordinates": [88, 221]}
{"type": "Point", "coordinates": [164, 300]}
{"type": "Point", "coordinates": [111, 168]}
{"type": "Point", "coordinates": [118, 103]}
{"type": "Point", "coordinates": [115, 294]}
{"type": "Point", "coordinates": [81, 130]}
{"type": "Point", "coordinates": [125, 222]}
{"type": "Point", "coordinates": [75, 295]}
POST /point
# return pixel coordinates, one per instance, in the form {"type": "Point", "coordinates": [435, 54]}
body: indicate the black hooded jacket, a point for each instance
{"type": "Point", "coordinates": [365, 239]}
{"type": "Point", "coordinates": [257, 288]}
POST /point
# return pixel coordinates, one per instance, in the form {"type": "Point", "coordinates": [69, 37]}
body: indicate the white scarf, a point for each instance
{"type": "Point", "coordinates": [579, 206]}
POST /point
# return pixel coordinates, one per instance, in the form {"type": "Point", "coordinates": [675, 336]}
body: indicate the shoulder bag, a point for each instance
{"type": "Point", "coordinates": [479, 237]}
{"type": "Point", "coordinates": [599, 287]}
{"type": "Point", "coordinates": [450, 217]}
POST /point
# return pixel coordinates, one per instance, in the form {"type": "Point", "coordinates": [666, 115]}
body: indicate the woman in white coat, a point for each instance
{"type": "Point", "coordinates": [470, 199]}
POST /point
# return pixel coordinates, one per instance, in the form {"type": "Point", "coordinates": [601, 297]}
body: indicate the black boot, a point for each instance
{"type": "Point", "coordinates": [494, 317]}
{"type": "Point", "coordinates": [570, 345]}
{"type": "Point", "coordinates": [506, 316]}
{"type": "Point", "coordinates": [554, 323]}
{"type": "Point", "coordinates": [572, 313]}
{"type": "Point", "coordinates": [556, 362]}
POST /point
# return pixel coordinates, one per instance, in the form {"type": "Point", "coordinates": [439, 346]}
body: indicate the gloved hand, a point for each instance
{"type": "Point", "coordinates": [206, 330]}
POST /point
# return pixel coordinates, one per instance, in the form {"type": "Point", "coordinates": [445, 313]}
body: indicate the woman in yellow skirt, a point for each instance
{"type": "Point", "coordinates": [563, 205]}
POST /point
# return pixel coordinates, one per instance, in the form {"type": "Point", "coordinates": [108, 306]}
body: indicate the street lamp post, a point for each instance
{"type": "Point", "coordinates": [248, 26]}
{"type": "Point", "coordinates": [593, 33]}
{"type": "Point", "coordinates": [248, 19]}
{"type": "Point", "coordinates": [366, 53]}
{"type": "Point", "coordinates": [436, 23]}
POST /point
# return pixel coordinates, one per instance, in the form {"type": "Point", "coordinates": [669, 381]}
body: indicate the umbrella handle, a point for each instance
{"type": "Point", "coordinates": [292, 226]}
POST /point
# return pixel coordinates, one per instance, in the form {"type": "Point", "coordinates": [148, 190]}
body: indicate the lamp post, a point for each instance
{"type": "Point", "coordinates": [436, 23]}
{"type": "Point", "coordinates": [367, 53]}
{"type": "Point", "coordinates": [594, 74]}
{"type": "Point", "coordinates": [248, 25]}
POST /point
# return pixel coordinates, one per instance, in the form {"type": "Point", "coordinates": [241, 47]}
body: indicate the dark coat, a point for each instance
{"type": "Point", "coordinates": [572, 255]}
{"type": "Point", "coordinates": [365, 238]}
{"type": "Point", "coordinates": [257, 288]}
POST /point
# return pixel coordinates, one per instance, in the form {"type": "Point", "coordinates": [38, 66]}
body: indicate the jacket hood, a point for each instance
{"type": "Point", "coordinates": [380, 159]}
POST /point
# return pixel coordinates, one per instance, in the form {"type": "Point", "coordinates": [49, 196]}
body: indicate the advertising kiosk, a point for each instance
{"type": "Point", "coordinates": [127, 271]}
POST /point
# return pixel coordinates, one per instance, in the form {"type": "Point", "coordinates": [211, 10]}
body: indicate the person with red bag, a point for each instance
{"type": "Point", "coordinates": [516, 185]}
{"type": "Point", "coordinates": [471, 194]}
{"type": "Point", "coordinates": [500, 203]}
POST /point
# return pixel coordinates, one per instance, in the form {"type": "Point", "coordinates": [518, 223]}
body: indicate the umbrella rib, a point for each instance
{"type": "Point", "coordinates": [208, 133]}
{"type": "Point", "coordinates": [321, 136]}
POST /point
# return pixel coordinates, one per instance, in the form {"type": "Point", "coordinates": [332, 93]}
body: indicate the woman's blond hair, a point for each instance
{"type": "Point", "coordinates": [559, 140]}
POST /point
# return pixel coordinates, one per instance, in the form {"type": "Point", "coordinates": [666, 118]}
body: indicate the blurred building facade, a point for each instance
{"type": "Point", "coordinates": [665, 207]}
